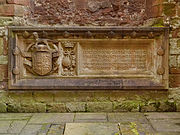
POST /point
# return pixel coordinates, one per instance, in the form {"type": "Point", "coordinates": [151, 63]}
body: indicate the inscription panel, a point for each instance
{"type": "Point", "coordinates": [88, 58]}
{"type": "Point", "coordinates": [115, 57]}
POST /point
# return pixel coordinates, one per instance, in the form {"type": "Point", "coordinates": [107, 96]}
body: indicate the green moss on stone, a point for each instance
{"type": "Point", "coordinates": [3, 107]}
{"type": "Point", "coordinates": [178, 43]}
{"type": "Point", "coordinates": [158, 23]}
{"type": "Point", "coordinates": [126, 106]}
{"type": "Point", "coordinates": [134, 128]}
{"type": "Point", "coordinates": [4, 21]}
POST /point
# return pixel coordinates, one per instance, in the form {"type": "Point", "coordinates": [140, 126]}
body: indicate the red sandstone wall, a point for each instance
{"type": "Point", "coordinates": [94, 12]}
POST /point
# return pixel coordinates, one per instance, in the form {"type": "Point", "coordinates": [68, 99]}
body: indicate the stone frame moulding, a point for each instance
{"type": "Point", "coordinates": [86, 58]}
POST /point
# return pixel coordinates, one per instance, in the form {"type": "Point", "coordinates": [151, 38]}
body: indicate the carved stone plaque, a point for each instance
{"type": "Point", "coordinates": [121, 56]}
{"type": "Point", "coordinates": [88, 58]}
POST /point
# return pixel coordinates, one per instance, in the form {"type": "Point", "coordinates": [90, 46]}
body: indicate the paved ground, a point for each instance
{"type": "Point", "coordinates": [90, 124]}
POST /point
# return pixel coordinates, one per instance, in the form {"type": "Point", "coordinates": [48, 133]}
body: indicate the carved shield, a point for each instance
{"type": "Point", "coordinates": [42, 62]}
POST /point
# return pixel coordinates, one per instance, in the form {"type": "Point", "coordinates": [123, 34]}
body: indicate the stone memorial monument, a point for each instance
{"type": "Point", "coordinates": [88, 58]}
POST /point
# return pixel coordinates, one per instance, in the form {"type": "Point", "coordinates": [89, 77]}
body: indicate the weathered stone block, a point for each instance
{"type": "Point", "coordinates": [14, 107]}
{"type": "Point", "coordinates": [165, 106]}
{"type": "Point", "coordinates": [150, 107]}
{"type": "Point", "coordinates": [33, 107]}
{"type": "Point", "coordinates": [175, 22]}
{"type": "Point", "coordinates": [169, 9]}
{"type": "Point", "coordinates": [19, 2]}
{"type": "Point", "coordinates": [26, 97]}
{"type": "Point", "coordinates": [13, 97]}
{"type": "Point", "coordinates": [178, 106]}
{"type": "Point", "coordinates": [127, 117]}
{"type": "Point", "coordinates": [3, 72]}
{"type": "Point", "coordinates": [175, 33]}
{"type": "Point", "coordinates": [56, 107]}
{"type": "Point", "coordinates": [70, 96]}
{"type": "Point", "coordinates": [91, 129]}
{"type": "Point", "coordinates": [2, 2]}
{"type": "Point", "coordinates": [11, 10]}
{"type": "Point", "coordinates": [156, 2]}
{"type": "Point", "coordinates": [3, 96]}
{"type": "Point", "coordinates": [90, 117]}
{"type": "Point", "coordinates": [6, 10]}
{"type": "Point", "coordinates": [64, 96]}
{"type": "Point", "coordinates": [173, 61]}
{"type": "Point", "coordinates": [17, 126]}
{"type": "Point", "coordinates": [1, 44]}
{"type": "Point", "coordinates": [101, 96]}
{"type": "Point", "coordinates": [174, 80]}
{"type": "Point", "coordinates": [156, 11]}
{"type": "Point", "coordinates": [76, 107]}
{"type": "Point", "coordinates": [3, 107]}
{"type": "Point", "coordinates": [56, 129]}
{"type": "Point", "coordinates": [99, 106]}
{"type": "Point", "coordinates": [83, 96]}
{"type": "Point", "coordinates": [44, 97]}
{"type": "Point", "coordinates": [52, 118]}
{"type": "Point", "coordinates": [174, 49]}
{"type": "Point", "coordinates": [117, 96]}
{"type": "Point", "coordinates": [132, 106]}
{"type": "Point", "coordinates": [3, 59]}
{"type": "Point", "coordinates": [178, 61]}
{"type": "Point", "coordinates": [4, 21]}
{"type": "Point", "coordinates": [20, 97]}
{"type": "Point", "coordinates": [31, 129]}
{"type": "Point", "coordinates": [5, 126]}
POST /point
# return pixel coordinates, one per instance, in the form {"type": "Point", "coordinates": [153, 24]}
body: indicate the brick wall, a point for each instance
{"type": "Point", "coordinates": [155, 13]}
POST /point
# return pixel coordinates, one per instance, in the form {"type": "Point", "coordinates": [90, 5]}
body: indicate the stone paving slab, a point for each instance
{"type": "Point", "coordinates": [44, 129]}
{"type": "Point", "coordinates": [162, 115]}
{"type": "Point", "coordinates": [56, 129]}
{"type": "Point", "coordinates": [55, 123]}
{"type": "Point", "coordinates": [166, 126]}
{"type": "Point", "coordinates": [90, 117]}
{"type": "Point", "coordinates": [17, 126]}
{"type": "Point", "coordinates": [15, 116]}
{"type": "Point", "coordinates": [4, 126]}
{"type": "Point", "coordinates": [31, 130]}
{"type": "Point", "coordinates": [91, 129]}
{"type": "Point", "coordinates": [132, 128]}
{"type": "Point", "coordinates": [8, 134]}
{"type": "Point", "coordinates": [127, 117]}
{"type": "Point", "coordinates": [168, 133]}
{"type": "Point", "coordinates": [165, 122]}
{"type": "Point", "coordinates": [53, 118]}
